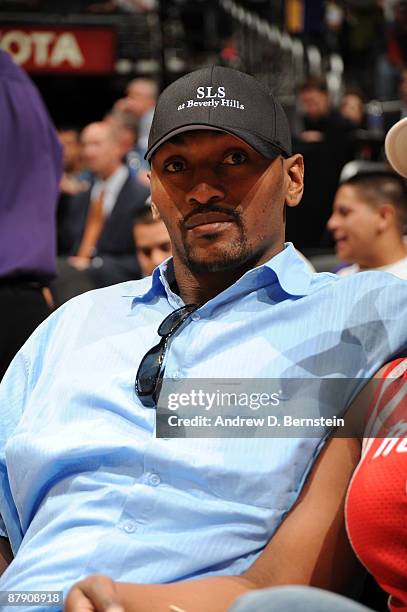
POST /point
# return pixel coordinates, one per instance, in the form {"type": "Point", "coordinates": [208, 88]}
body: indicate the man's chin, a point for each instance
{"type": "Point", "coordinates": [343, 254]}
{"type": "Point", "coordinates": [223, 263]}
{"type": "Point", "coordinates": [222, 254]}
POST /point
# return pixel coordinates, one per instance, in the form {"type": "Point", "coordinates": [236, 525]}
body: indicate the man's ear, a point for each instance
{"type": "Point", "coordinates": [387, 216]}
{"type": "Point", "coordinates": [149, 175]}
{"type": "Point", "coordinates": [294, 169]}
{"type": "Point", "coordinates": [155, 212]}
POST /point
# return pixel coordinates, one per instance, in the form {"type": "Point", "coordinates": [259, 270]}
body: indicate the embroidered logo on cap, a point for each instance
{"type": "Point", "coordinates": [209, 96]}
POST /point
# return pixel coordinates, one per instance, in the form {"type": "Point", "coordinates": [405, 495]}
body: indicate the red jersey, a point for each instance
{"type": "Point", "coordinates": [376, 506]}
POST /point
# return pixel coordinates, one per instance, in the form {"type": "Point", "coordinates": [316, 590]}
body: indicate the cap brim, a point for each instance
{"type": "Point", "coordinates": [262, 146]}
{"type": "Point", "coordinates": [396, 147]}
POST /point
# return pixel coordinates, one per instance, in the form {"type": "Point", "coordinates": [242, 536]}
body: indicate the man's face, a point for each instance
{"type": "Point", "coordinates": [101, 150]}
{"type": "Point", "coordinates": [125, 134]}
{"type": "Point", "coordinates": [139, 98]}
{"type": "Point", "coordinates": [221, 201]}
{"type": "Point", "coordinates": [153, 245]}
{"type": "Point", "coordinates": [352, 108]}
{"type": "Point", "coordinates": [354, 225]}
{"type": "Point", "coordinates": [315, 103]}
{"type": "Point", "coordinates": [71, 148]}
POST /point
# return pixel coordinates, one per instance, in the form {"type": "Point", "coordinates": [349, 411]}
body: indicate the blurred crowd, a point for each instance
{"type": "Point", "coordinates": [369, 35]}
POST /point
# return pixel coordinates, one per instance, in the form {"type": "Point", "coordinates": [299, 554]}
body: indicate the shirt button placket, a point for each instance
{"type": "Point", "coordinates": [154, 480]}
{"type": "Point", "coordinates": [129, 527]}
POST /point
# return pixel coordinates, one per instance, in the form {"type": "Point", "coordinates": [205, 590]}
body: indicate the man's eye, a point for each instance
{"type": "Point", "coordinates": [175, 166]}
{"type": "Point", "coordinates": [235, 158]}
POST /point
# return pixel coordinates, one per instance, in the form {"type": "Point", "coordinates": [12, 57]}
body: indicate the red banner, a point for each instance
{"type": "Point", "coordinates": [56, 49]}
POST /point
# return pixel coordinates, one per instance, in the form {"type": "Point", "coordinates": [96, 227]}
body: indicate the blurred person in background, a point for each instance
{"type": "Point", "coordinates": [127, 126]}
{"type": "Point", "coordinates": [72, 158]}
{"type": "Point", "coordinates": [352, 108]}
{"type": "Point", "coordinates": [320, 121]}
{"type": "Point", "coordinates": [30, 168]}
{"type": "Point", "coordinates": [140, 100]}
{"type": "Point", "coordinates": [139, 103]}
{"type": "Point", "coordinates": [151, 240]}
{"type": "Point", "coordinates": [101, 218]}
{"type": "Point", "coordinates": [368, 223]}
{"type": "Point", "coordinates": [74, 180]}
{"type": "Point", "coordinates": [326, 141]}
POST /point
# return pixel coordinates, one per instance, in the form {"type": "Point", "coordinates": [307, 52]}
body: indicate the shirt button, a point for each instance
{"type": "Point", "coordinates": [129, 526]}
{"type": "Point", "coordinates": [195, 316]}
{"type": "Point", "coordinates": [154, 480]}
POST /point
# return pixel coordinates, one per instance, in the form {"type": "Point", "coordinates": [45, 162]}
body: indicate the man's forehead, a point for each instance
{"type": "Point", "coordinates": [184, 139]}
{"type": "Point", "coordinates": [139, 88]}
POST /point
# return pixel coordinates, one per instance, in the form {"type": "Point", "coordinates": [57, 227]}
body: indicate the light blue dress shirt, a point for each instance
{"type": "Point", "coordinates": [85, 486]}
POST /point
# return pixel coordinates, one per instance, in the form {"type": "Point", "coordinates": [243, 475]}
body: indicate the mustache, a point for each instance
{"type": "Point", "coordinates": [207, 208]}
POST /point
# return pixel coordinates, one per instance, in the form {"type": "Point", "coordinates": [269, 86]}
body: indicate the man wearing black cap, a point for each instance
{"type": "Point", "coordinates": [93, 481]}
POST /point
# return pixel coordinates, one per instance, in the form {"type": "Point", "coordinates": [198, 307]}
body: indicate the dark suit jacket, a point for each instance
{"type": "Point", "coordinates": [115, 259]}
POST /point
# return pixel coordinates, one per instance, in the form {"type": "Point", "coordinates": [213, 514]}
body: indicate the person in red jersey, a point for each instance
{"type": "Point", "coordinates": [376, 508]}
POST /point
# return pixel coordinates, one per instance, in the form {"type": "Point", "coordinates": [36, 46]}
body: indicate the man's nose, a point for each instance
{"type": "Point", "coordinates": [204, 192]}
{"type": "Point", "coordinates": [331, 223]}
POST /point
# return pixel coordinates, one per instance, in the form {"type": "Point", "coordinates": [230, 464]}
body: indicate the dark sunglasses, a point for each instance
{"type": "Point", "coordinates": [151, 372]}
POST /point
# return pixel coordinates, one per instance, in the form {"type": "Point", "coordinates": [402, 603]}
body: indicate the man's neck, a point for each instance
{"type": "Point", "coordinates": [104, 176]}
{"type": "Point", "coordinates": [199, 288]}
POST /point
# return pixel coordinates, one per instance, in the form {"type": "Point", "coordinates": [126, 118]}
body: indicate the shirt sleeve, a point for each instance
{"type": "Point", "coordinates": [13, 391]}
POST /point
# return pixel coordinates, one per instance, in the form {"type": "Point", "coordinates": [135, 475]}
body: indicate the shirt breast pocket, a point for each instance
{"type": "Point", "coordinates": [252, 472]}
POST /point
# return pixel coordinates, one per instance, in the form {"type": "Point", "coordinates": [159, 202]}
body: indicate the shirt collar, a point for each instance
{"type": "Point", "coordinates": [289, 268]}
{"type": "Point", "coordinates": [293, 271]}
{"type": "Point", "coordinates": [159, 283]}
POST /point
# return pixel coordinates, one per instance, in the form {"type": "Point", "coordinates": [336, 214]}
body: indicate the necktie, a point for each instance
{"type": "Point", "coordinates": [93, 227]}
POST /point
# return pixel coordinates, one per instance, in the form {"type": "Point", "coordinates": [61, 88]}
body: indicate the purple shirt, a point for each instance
{"type": "Point", "coordinates": [30, 170]}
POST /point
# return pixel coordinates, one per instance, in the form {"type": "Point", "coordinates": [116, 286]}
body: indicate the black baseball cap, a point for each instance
{"type": "Point", "coordinates": [222, 99]}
